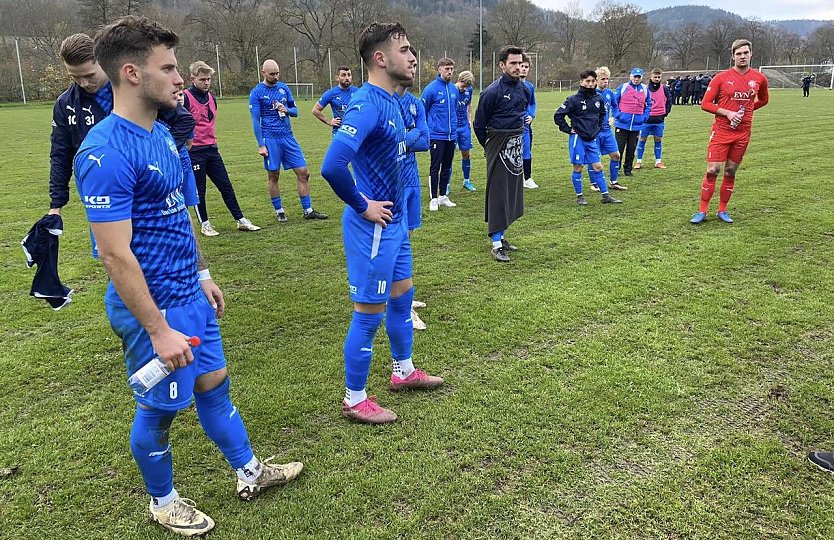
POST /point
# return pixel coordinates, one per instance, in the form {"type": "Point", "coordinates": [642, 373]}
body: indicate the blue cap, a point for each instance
{"type": "Point", "coordinates": [636, 71]}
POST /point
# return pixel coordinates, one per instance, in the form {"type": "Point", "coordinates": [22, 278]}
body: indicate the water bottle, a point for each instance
{"type": "Point", "coordinates": [152, 373]}
{"type": "Point", "coordinates": [734, 125]}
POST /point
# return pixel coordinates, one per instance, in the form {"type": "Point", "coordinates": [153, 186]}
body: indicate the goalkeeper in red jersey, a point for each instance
{"type": "Point", "coordinates": [732, 96]}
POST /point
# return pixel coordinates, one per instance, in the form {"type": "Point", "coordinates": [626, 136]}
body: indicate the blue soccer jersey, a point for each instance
{"type": "Point", "coordinates": [339, 100]}
{"type": "Point", "coordinates": [267, 121]}
{"type": "Point", "coordinates": [462, 107]}
{"type": "Point", "coordinates": [414, 117]}
{"type": "Point", "coordinates": [373, 128]}
{"type": "Point", "coordinates": [610, 106]}
{"type": "Point", "coordinates": [123, 172]}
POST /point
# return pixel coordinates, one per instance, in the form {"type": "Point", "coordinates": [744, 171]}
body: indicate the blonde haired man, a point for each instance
{"type": "Point", "coordinates": [464, 134]}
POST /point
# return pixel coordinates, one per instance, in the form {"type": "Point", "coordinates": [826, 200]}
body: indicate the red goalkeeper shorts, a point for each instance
{"type": "Point", "coordinates": [727, 146]}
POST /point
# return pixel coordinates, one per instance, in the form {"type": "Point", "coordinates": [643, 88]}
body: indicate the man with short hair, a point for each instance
{"type": "Point", "coordinates": [372, 138]}
{"type": "Point", "coordinates": [440, 100]}
{"type": "Point", "coordinates": [464, 131]}
{"type": "Point", "coordinates": [661, 99]}
{"type": "Point", "coordinates": [732, 97]}
{"type": "Point", "coordinates": [587, 114]}
{"type": "Point", "coordinates": [633, 105]}
{"type": "Point", "coordinates": [337, 97]}
{"type": "Point", "coordinates": [416, 140]}
{"type": "Point", "coordinates": [206, 160]}
{"type": "Point", "coordinates": [806, 85]}
{"type": "Point", "coordinates": [271, 104]}
{"type": "Point", "coordinates": [88, 100]}
{"type": "Point", "coordinates": [499, 127]}
{"type": "Point", "coordinates": [605, 139]}
{"type": "Point", "coordinates": [128, 171]}
{"type": "Point", "coordinates": [529, 116]}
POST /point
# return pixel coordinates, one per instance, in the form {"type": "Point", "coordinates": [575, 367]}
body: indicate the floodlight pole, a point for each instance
{"type": "Point", "coordinates": [217, 58]}
{"type": "Point", "coordinates": [257, 66]}
{"type": "Point", "coordinates": [481, 45]}
{"type": "Point", "coordinates": [419, 72]}
{"type": "Point", "coordinates": [329, 64]}
{"type": "Point", "coordinates": [295, 62]}
{"type": "Point", "coordinates": [20, 69]}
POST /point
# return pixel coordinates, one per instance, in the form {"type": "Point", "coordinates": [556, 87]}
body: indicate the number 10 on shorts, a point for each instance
{"type": "Point", "coordinates": [381, 286]}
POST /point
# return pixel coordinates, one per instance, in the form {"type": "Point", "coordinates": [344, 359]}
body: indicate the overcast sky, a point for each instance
{"type": "Point", "coordinates": [764, 9]}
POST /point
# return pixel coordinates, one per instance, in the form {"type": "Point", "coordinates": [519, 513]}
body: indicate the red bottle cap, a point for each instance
{"type": "Point", "coordinates": [194, 341]}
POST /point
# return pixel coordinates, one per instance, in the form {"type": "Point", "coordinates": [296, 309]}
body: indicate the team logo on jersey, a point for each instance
{"type": "Point", "coordinates": [753, 84]}
{"type": "Point", "coordinates": [412, 109]}
{"type": "Point", "coordinates": [172, 146]}
{"type": "Point", "coordinates": [348, 130]}
{"type": "Point", "coordinates": [275, 104]}
{"type": "Point", "coordinates": [596, 104]}
{"type": "Point", "coordinates": [282, 91]}
{"type": "Point", "coordinates": [511, 155]}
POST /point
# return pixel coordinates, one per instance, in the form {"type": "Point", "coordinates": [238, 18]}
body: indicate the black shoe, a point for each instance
{"type": "Point", "coordinates": [607, 198]}
{"type": "Point", "coordinates": [627, 173]}
{"type": "Point", "coordinates": [823, 460]}
{"type": "Point", "coordinates": [580, 200]}
{"type": "Point", "coordinates": [313, 214]}
{"type": "Point", "coordinates": [508, 246]}
{"type": "Point", "coordinates": [499, 255]}
{"type": "Point", "coordinates": [282, 217]}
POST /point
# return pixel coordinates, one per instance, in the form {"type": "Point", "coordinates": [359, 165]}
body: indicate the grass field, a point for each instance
{"type": "Point", "coordinates": [627, 376]}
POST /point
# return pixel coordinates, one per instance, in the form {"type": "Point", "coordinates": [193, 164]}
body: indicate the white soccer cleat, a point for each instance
{"type": "Point", "coordinates": [207, 229]}
{"type": "Point", "coordinates": [445, 201]}
{"type": "Point", "coordinates": [416, 321]}
{"type": "Point", "coordinates": [271, 475]}
{"type": "Point", "coordinates": [433, 205]}
{"type": "Point", "coordinates": [529, 184]}
{"type": "Point", "coordinates": [244, 224]}
{"type": "Point", "coordinates": [416, 304]}
{"type": "Point", "coordinates": [181, 517]}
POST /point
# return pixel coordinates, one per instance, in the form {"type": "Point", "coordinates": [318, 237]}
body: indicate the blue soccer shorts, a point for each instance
{"type": "Point", "coordinates": [464, 138]}
{"type": "Point", "coordinates": [176, 390]}
{"type": "Point", "coordinates": [413, 210]}
{"type": "Point", "coordinates": [527, 143]}
{"type": "Point", "coordinates": [376, 257]}
{"type": "Point", "coordinates": [655, 130]}
{"type": "Point", "coordinates": [583, 152]}
{"type": "Point", "coordinates": [284, 152]}
{"type": "Point", "coordinates": [607, 142]}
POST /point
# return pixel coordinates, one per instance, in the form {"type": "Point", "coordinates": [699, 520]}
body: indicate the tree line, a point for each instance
{"type": "Point", "coordinates": [320, 33]}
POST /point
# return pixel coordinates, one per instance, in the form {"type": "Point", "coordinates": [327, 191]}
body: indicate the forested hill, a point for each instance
{"type": "Point", "coordinates": [673, 18]}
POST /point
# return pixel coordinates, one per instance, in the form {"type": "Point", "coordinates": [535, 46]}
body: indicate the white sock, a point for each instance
{"type": "Point", "coordinates": [403, 368]}
{"type": "Point", "coordinates": [249, 472]}
{"type": "Point", "coordinates": [639, 161]}
{"type": "Point", "coordinates": [355, 397]}
{"type": "Point", "coordinates": [496, 244]}
{"type": "Point", "coordinates": [657, 160]}
{"type": "Point", "coordinates": [308, 210]}
{"type": "Point", "coordinates": [159, 502]}
{"type": "Point", "coordinates": [279, 210]}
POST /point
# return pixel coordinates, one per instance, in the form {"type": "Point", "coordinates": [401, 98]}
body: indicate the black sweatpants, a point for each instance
{"type": "Point", "coordinates": [440, 171]}
{"type": "Point", "coordinates": [627, 143]}
{"type": "Point", "coordinates": [206, 161]}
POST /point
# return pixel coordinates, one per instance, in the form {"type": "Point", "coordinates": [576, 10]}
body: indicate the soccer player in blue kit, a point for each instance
{"type": "Point", "coordinates": [271, 105]}
{"type": "Point", "coordinates": [606, 140]}
{"type": "Point", "coordinates": [337, 97]}
{"type": "Point", "coordinates": [416, 140]}
{"type": "Point", "coordinates": [372, 138]}
{"type": "Point", "coordinates": [527, 136]}
{"type": "Point", "coordinates": [129, 175]}
{"type": "Point", "coordinates": [464, 133]}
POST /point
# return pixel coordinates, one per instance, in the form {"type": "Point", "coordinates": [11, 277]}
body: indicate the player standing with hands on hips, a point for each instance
{"type": "Point", "coordinates": [732, 96]}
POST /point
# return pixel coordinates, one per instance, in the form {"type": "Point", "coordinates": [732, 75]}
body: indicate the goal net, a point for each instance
{"type": "Point", "coordinates": [302, 91]}
{"type": "Point", "coordinates": [791, 76]}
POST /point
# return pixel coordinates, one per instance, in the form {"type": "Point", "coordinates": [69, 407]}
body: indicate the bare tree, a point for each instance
{"type": "Point", "coordinates": [682, 43]}
{"type": "Point", "coordinates": [316, 22]}
{"type": "Point", "coordinates": [821, 43]}
{"type": "Point", "coordinates": [43, 23]}
{"type": "Point", "coordinates": [718, 38]}
{"type": "Point", "coordinates": [566, 27]}
{"type": "Point", "coordinates": [517, 22]}
{"type": "Point", "coordinates": [620, 30]}
{"type": "Point", "coordinates": [356, 16]}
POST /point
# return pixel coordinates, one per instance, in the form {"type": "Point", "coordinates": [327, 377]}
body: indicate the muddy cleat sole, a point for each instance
{"type": "Point", "coordinates": [499, 254]}
{"type": "Point", "coordinates": [418, 380]}
{"type": "Point", "coordinates": [368, 412]}
{"type": "Point", "coordinates": [314, 214]}
{"type": "Point", "coordinates": [698, 218]}
{"type": "Point", "coordinates": [271, 475]}
{"type": "Point", "coordinates": [182, 517]}
{"type": "Point", "coordinates": [725, 217]}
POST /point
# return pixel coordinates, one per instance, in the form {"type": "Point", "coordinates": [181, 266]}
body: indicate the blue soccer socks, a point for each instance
{"type": "Point", "coordinates": [222, 423]}
{"type": "Point", "coordinates": [306, 203]}
{"type": "Point", "coordinates": [577, 182]}
{"type": "Point", "coordinates": [276, 203]}
{"type": "Point", "coordinates": [399, 326]}
{"type": "Point", "coordinates": [358, 349]}
{"type": "Point", "coordinates": [150, 448]}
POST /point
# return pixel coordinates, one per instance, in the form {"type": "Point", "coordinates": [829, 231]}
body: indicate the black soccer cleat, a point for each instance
{"type": "Point", "coordinates": [508, 246]}
{"type": "Point", "coordinates": [500, 255]}
{"type": "Point", "coordinates": [313, 214]}
{"type": "Point", "coordinates": [608, 199]}
{"type": "Point", "coordinates": [823, 460]}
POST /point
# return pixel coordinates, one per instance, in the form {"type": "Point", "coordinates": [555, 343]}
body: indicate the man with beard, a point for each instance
{"type": "Point", "coordinates": [499, 127]}
{"type": "Point", "coordinates": [661, 107]}
{"type": "Point", "coordinates": [337, 97]}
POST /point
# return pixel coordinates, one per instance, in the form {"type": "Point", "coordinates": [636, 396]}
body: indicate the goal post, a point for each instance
{"type": "Point", "coordinates": [790, 76]}
{"type": "Point", "coordinates": [301, 91]}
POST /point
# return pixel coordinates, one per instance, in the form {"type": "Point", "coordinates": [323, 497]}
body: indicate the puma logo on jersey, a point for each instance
{"type": "Point", "coordinates": [392, 124]}
{"type": "Point", "coordinates": [88, 109]}
{"type": "Point", "coordinates": [154, 168]}
{"type": "Point", "coordinates": [70, 108]}
{"type": "Point", "coordinates": [507, 96]}
{"type": "Point", "coordinates": [96, 159]}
